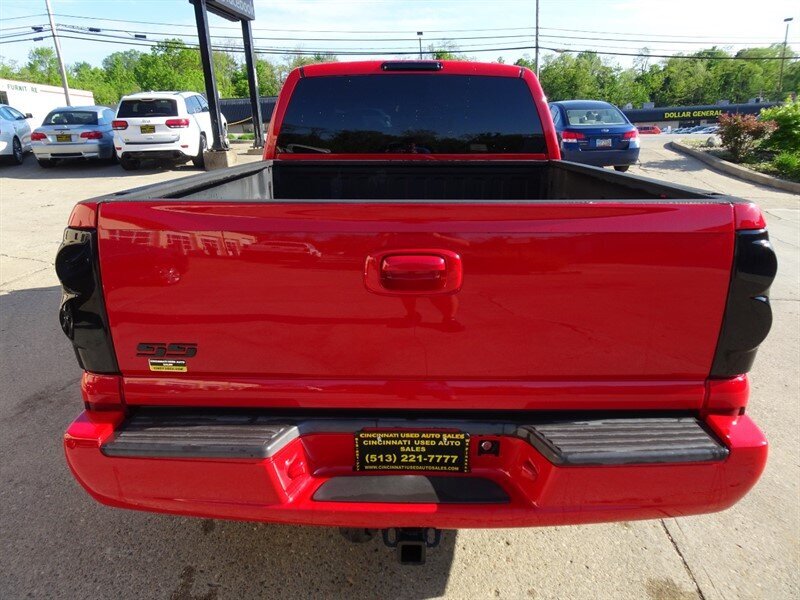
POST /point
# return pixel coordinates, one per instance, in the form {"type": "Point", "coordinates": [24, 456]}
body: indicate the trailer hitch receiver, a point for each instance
{"type": "Point", "coordinates": [412, 543]}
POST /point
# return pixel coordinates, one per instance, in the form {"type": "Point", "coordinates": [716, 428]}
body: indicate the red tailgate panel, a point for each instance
{"type": "Point", "coordinates": [551, 292]}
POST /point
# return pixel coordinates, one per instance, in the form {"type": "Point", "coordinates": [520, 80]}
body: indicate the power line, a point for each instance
{"type": "Point", "coordinates": [104, 38]}
{"type": "Point", "coordinates": [24, 17]}
{"type": "Point", "coordinates": [521, 37]}
{"type": "Point", "coordinates": [411, 34]}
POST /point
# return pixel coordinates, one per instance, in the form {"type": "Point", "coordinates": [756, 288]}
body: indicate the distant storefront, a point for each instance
{"type": "Point", "coordinates": [685, 116]}
{"type": "Point", "coordinates": [39, 99]}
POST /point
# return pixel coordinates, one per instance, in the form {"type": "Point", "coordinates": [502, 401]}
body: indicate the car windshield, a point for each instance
{"type": "Point", "coordinates": [411, 114]}
{"type": "Point", "coordinates": [161, 107]}
{"type": "Point", "coordinates": [71, 117]}
{"type": "Point", "coordinates": [595, 116]}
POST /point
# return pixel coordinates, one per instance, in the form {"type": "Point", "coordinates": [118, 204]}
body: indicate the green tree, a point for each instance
{"type": "Point", "coordinates": [119, 68]}
{"type": "Point", "coordinates": [42, 67]}
{"type": "Point", "coordinates": [8, 69]}
{"type": "Point", "coordinates": [294, 61]}
{"type": "Point", "coordinates": [84, 76]}
{"type": "Point", "coordinates": [447, 50]}
{"type": "Point", "coordinates": [268, 79]}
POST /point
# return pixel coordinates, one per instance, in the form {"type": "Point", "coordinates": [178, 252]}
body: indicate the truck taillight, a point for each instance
{"type": "Point", "coordinates": [748, 315]}
{"type": "Point", "coordinates": [177, 123]}
{"type": "Point", "coordinates": [38, 136]}
{"type": "Point", "coordinates": [572, 137]}
{"type": "Point", "coordinates": [92, 135]}
{"type": "Point", "coordinates": [119, 125]}
{"type": "Point", "coordinates": [83, 313]}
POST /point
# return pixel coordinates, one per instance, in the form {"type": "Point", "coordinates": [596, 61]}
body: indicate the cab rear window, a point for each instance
{"type": "Point", "coordinates": [160, 107]}
{"type": "Point", "coordinates": [71, 117]}
{"type": "Point", "coordinates": [411, 113]}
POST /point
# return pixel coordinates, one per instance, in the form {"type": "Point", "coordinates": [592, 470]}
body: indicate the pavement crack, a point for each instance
{"type": "Point", "coordinates": [39, 260]}
{"type": "Point", "coordinates": [774, 238]}
{"type": "Point", "coordinates": [686, 566]}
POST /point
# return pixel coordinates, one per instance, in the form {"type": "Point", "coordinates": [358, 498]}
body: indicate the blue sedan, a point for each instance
{"type": "Point", "coordinates": [595, 133]}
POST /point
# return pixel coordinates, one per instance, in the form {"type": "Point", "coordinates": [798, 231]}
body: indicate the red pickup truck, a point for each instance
{"type": "Point", "coordinates": [413, 316]}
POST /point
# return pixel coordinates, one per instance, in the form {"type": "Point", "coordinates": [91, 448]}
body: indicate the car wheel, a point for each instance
{"type": "Point", "coordinates": [112, 159]}
{"type": "Point", "coordinates": [17, 155]}
{"type": "Point", "coordinates": [46, 163]}
{"type": "Point", "coordinates": [129, 164]}
{"type": "Point", "coordinates": [199, 160]}
{"type": "Point", "coordinates": [622, 169]}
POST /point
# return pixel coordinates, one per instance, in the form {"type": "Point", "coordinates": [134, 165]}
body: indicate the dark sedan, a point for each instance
{"type": "Point", "coordinates": [595, 133]}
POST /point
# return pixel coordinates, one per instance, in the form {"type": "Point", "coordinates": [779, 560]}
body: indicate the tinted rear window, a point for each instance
{"type": "Point", "coordinates": [414, 113]}
{"type": "Point", "coordinates": [71, 117]}
{"type": "Point", "coordinates": [148, 108]}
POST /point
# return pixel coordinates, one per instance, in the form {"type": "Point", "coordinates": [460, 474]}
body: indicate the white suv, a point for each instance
{"type": "Point", "coordinates": [167, 126]}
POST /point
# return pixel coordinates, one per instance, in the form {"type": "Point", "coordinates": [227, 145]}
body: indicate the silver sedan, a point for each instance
{"type": "Point", "coordinates": [74, 132]}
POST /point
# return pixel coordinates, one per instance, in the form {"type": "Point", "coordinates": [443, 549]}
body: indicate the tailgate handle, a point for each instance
{"type": "Point", "coordinates": [401, 272]}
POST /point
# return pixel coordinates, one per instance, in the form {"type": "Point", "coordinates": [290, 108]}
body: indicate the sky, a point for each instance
{"type": "Point", "coordinates": [504, 28]}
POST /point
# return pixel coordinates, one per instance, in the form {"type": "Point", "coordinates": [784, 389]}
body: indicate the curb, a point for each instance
{"type": "Point", "coordinates": [735, 170]}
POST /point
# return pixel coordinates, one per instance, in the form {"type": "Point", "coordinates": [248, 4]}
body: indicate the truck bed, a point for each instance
{"type": "Point", "coordinates": [359, 181]}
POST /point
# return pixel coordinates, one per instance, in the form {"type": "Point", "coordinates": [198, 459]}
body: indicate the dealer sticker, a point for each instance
{"type": "Point", "coordinates": [402, 450]}
{"type": "Point", "coordinates": [169, 365]}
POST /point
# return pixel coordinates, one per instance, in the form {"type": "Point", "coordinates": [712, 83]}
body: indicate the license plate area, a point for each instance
{"type": "Point", "coordinates": [603, 143]}
{"type": "Point", "coordinates": [63, 137]}
{"type": "Point", "coordinates": [147, 128]}
{"type": "Point", "coordinates": [408, 450]}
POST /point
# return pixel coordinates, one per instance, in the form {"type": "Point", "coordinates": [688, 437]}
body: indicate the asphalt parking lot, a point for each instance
{"type": "Point", "coordinates": [57, 542]}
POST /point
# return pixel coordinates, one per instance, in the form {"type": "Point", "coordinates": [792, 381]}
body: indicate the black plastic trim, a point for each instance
{"type": "Point", "coordinates": [200, 434]}
{"type": "Point", "coordinates": [567, 438]}
{"type": "Point", "coordinates": [411, 489]}
{"type": "Point", "coordinates": [412, 65]}
{"type": "Point", "coordinates": [82, 313]}
{"type": "Point", "coordinates": [623, 441]}
{"type": "Point", "coordinates": [748, 315]}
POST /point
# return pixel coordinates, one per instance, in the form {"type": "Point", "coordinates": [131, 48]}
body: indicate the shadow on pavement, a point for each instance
{"type": "Point", "coordinates": [58, 541]}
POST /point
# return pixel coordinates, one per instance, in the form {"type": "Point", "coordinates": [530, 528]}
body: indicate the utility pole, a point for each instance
{"type": "Point", "coordinates": [783, 55]}
{"type": "Point", "coordinates": [252, 80]}
{"type": "Point", "coordinates": [207, 59]}
{"type": "Point", "coordinates": [419, 37]}
{"type": "Point", "coordinates": [61, 66]}
{"type": "Point", "coordinates": [537, 38]}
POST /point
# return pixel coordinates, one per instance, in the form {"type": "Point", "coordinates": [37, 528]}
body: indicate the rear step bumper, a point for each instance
{"type": "Point", "coordinates": [559, 470]}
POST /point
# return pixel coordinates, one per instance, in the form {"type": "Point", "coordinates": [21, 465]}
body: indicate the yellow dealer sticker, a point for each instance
{"type": "Point", "coordinates": [172, 366]}
{"type": "Point", "coordinates": [402, 450]}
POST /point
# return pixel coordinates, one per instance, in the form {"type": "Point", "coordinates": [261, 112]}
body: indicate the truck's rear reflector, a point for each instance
{"type": "Point", "coordinates": [101, 392]}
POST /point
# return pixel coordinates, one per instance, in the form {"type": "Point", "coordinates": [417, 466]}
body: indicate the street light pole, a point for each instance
{"type": "Point", "coordinates": [783, 55]}
{"type": "Point", "coordinates": [537, 38]}
{"type": "Point", "coordinates": [419, 36]}
{"type": "Point", "coordinates": [61, 66]}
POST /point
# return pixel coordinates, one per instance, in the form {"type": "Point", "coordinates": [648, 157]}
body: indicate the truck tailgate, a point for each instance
{"type": "Point", "coordinates": [268, 302]}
